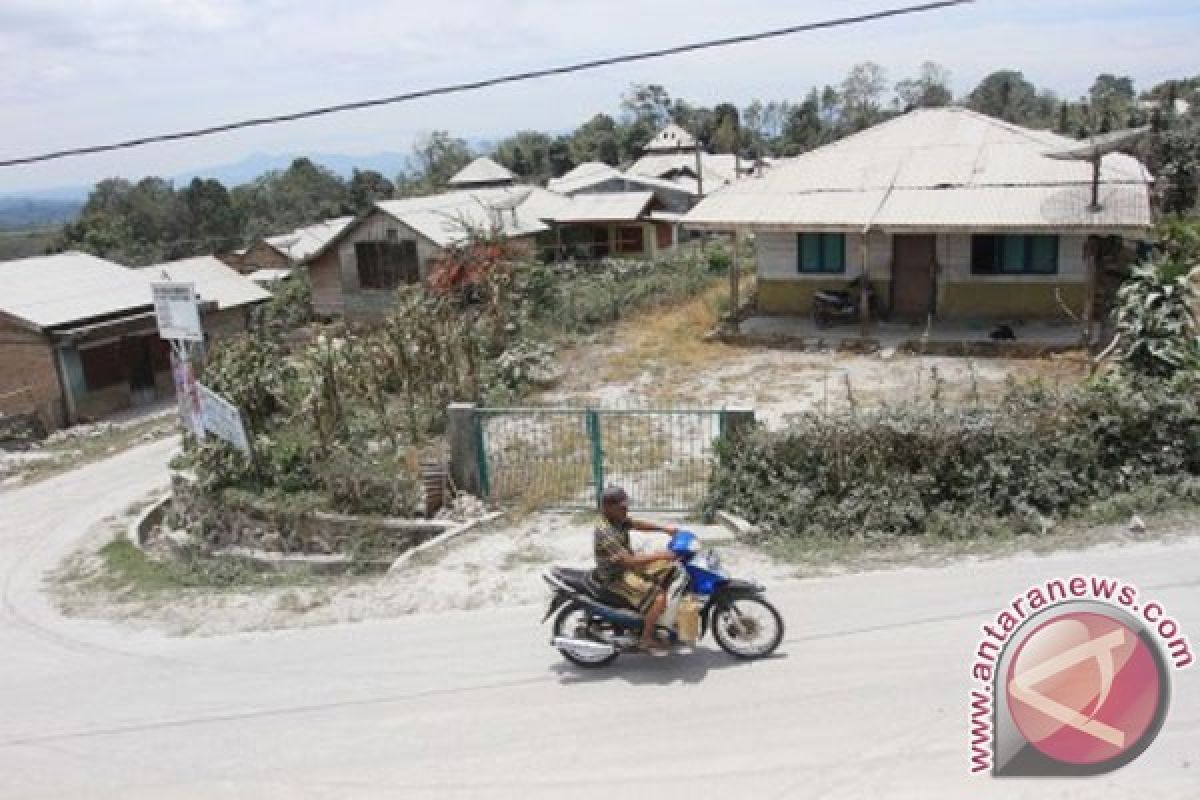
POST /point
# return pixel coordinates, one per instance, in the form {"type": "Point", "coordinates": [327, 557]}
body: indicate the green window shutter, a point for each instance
{"type": "Point", "coordinates": [1012, 254]}
{"type": "Point", "coordinates": [1043, 255]}
{"type": "Point", "coordinates": [833, 252]}
{"type": "Point", "coordinates": [808, 246]}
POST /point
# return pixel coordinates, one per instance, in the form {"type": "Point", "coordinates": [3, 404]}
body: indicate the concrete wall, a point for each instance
{"type": "Point", "coordinates": [960, 294]}
{"type": "Point", "coordinates": [784, 290]}
{"type": "Point", "coordinates": [28, 375]}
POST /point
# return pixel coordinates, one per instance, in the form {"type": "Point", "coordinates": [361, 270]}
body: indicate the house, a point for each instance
{"type": "Point", "coordinates": [356, 272]}
{"type": "Point", "coordinates": [594, 176]}
{"type": "Point", "coordinates": [78, 339]}
{"type": "Point", "coordinates": [950, 213]}
{"type": "Point", "coordinates": [482, 173]}
{"type": "Point", "coordinates": [233, 296]}
{"type": "Point", "coordinates": [674, 155]}
{"type": "Point", "coordinates": [611, 224]}
{"type": "Point", "coordinates": [286, 250]}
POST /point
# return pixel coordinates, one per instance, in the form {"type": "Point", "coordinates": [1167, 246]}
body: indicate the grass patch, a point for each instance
{"type": "Point", "coordinates": [127, 568]}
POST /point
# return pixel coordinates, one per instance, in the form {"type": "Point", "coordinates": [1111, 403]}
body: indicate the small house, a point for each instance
{"type": "Point", "coordinates": [78, 339]}
{"type": "Point", "coordinates": [949, 213]}
{"type": "Point", "coordinates": [231, 296]}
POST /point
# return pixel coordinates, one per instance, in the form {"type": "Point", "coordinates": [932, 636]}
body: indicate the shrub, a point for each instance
{"type": "Point", "coordinates": [919, 469]}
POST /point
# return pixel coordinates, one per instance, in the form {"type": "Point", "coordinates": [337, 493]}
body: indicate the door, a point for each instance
{"type": "Point", "coordinates": [914, 259]}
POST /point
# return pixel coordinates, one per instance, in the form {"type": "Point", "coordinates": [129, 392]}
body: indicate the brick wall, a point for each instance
{"type": "Point", "coordinates": [28, 377]}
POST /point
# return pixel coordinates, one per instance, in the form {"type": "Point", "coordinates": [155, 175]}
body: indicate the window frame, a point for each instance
{"type": "Point", "coordinates": [995, 245]}
{"type": "Point", "coordinates": [391, 264]}
{"type": "Point", "coordinates": [822, 267]}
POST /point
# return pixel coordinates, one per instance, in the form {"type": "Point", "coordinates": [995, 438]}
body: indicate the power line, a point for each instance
{"type": "Point", "coordinates": [489, 82]}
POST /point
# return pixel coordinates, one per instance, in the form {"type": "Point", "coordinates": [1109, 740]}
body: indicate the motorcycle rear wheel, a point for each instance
{"type": "Point", "coordinates": [747, 627]}
{"type": "Point", "coordinates": [573, 622]}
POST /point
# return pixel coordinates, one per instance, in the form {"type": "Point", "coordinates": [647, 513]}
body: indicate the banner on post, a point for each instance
{"type": "Point", "coordinates": [223, 419]}
{"type": "Point", "coordinates": [177, 311]}
{"type": "Point", "coordinates": [187, 394]}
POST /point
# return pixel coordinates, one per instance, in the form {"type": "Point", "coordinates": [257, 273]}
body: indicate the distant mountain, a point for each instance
{"type": "Point", "coordinates": [40, 209]}
{"type": "Point", "coordinates": [251, 167]}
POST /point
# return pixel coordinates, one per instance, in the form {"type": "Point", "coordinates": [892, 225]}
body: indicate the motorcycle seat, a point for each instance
{"type": "Point", "coordinates": [832, 295]}
{"type": "Point", "coordinates": [581, 581]}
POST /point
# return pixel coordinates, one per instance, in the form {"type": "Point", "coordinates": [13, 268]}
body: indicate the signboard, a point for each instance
{"type": "Point", "coordinates": [177, 311]}
{"type": "Point", "coordinates": [222, 419]}
{"type": "Point", "coordinates": [188, 395]}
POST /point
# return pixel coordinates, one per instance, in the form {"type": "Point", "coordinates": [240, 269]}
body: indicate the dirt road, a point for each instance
{"type": "Point", "coordinates": [868, 698]}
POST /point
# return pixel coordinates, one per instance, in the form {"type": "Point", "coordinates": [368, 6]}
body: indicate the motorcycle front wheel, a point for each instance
{"type": "Point", "coordinates": [574, 622]}
{"type": "Point", "coordinates": [747, 627]}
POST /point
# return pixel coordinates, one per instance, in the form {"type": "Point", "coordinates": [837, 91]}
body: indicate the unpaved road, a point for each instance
{"type": "Point", "coordinates": [868, 698]}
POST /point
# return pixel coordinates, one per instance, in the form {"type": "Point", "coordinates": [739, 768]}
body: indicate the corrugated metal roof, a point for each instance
{"type": "Point", "coordinates": [215, 282]}
{"type": "Point", "coordinates": [605, 207]}
{"type": "Point", "coordinates": [306, 242]}
{"type": "Point", "coordinates": [482, 171]}
{"type": "Point", "coordinates": [584, 176]}
{"type": "Point", "coordinates": [49, 291]}
{"type": "Point", "coordinates": [935, 168]}
{"type": "Point", "coordinates": [719, 170]}
{"type": "Point", "coordinates": [670, 138]}
{"type": "Point", "coordinates": [594, 173]}
{"type": "Point", "coordinates": [447, 219]}
{"type": "Point", "coordinates": [268, 276]}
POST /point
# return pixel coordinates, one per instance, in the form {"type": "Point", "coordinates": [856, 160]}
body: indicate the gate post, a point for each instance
{"type": "Point", "coordinates": [468, 461]}
{"type": "Point", "coordinates": [736, 422]}
{"type": "Point", "coordinates": [597, 441]}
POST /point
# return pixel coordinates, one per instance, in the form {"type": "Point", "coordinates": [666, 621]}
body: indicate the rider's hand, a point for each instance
{"type": "Point", "coordinates": [671, 529]}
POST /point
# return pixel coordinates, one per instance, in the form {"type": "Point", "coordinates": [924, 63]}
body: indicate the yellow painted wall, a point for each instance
{"type": "Point", "coordinates": [978, 299]}
{"type": "Point", "coordinates": [795, 297]}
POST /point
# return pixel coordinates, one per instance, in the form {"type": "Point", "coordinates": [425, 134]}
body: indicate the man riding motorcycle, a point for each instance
{"type": "Point", "coordinates": [639, 578]}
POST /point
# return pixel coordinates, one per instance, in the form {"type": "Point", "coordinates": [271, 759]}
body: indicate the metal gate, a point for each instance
{"type": "Point", "coordinates": [564, 457]}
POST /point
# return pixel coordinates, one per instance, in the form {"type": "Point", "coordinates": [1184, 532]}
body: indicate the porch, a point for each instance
{"type": "Point", "coordinates": [946, 337]}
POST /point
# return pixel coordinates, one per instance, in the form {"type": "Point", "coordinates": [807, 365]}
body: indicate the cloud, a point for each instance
{"type": "Point", "coordinates": [81, 71]}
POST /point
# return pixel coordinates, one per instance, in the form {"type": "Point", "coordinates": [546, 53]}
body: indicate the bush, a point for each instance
{"type": "Point", "coordinates": [921, 469]}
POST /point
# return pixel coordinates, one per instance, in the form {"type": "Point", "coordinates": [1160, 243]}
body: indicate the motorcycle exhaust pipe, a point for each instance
{"type": "Point", "coordinates": [585, 646]}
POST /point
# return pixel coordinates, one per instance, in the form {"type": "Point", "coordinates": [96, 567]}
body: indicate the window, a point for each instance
{"type": "Point", "coordinates": [821, 252]}
{"type": "Point", "coordinates": [103, 366]}
{"type": "Point", "coordinates": [631, 240]}
{"type": "Point", "coordinates": [386, 265]}
{"type": "Point", "coordinates": [1014, 255]}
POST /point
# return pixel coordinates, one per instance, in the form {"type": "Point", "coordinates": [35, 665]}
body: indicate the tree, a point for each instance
{"type": "Point", "coordinates": [803, 129]}
{"type": "Point", "coordinates": [1112, 100]}
{"type": "Point", "coordinates": [366, 188]}
{"type": "Point", "coordinates": [862, 91]}
{"type": "Point", "coordinates": [727, 137]}
{"type": "Point", "coordinates": [596, 140]}
{"type": "Point", "coordinates": [535, 156]}
{"type": "Point", "coordinates": [211, 224]}
{"type": "Point", "coordinates": [930, 89]}
{"type": "Point", "coordinates": [434, 161]}
{"type": "Point", "coordinates": [647, 103]}
{"type": "Point", "coordinates": [1005, 95]}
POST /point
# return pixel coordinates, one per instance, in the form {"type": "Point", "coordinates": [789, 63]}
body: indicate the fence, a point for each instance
{"type": "Point", "coordinates": [562, 458]}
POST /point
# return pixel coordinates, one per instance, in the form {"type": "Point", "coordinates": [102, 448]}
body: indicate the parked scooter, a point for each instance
{"type": "Point", "coordinates": [592, 627]}
{"type": "Point", "coordinates": [831, 306]}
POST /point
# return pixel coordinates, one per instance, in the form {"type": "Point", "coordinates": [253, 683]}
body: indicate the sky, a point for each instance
{"type": "Point", "coordinates": [82, 72]}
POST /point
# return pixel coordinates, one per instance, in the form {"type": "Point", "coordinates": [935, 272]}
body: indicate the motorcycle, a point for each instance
{"type": "Point", "coordinates": [830, 306]}
{"type": "Point", "coordinates": [592, 626]}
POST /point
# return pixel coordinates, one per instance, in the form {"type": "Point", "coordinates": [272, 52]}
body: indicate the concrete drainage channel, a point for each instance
{"type": "Point", "coordinates": [430, 533]}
